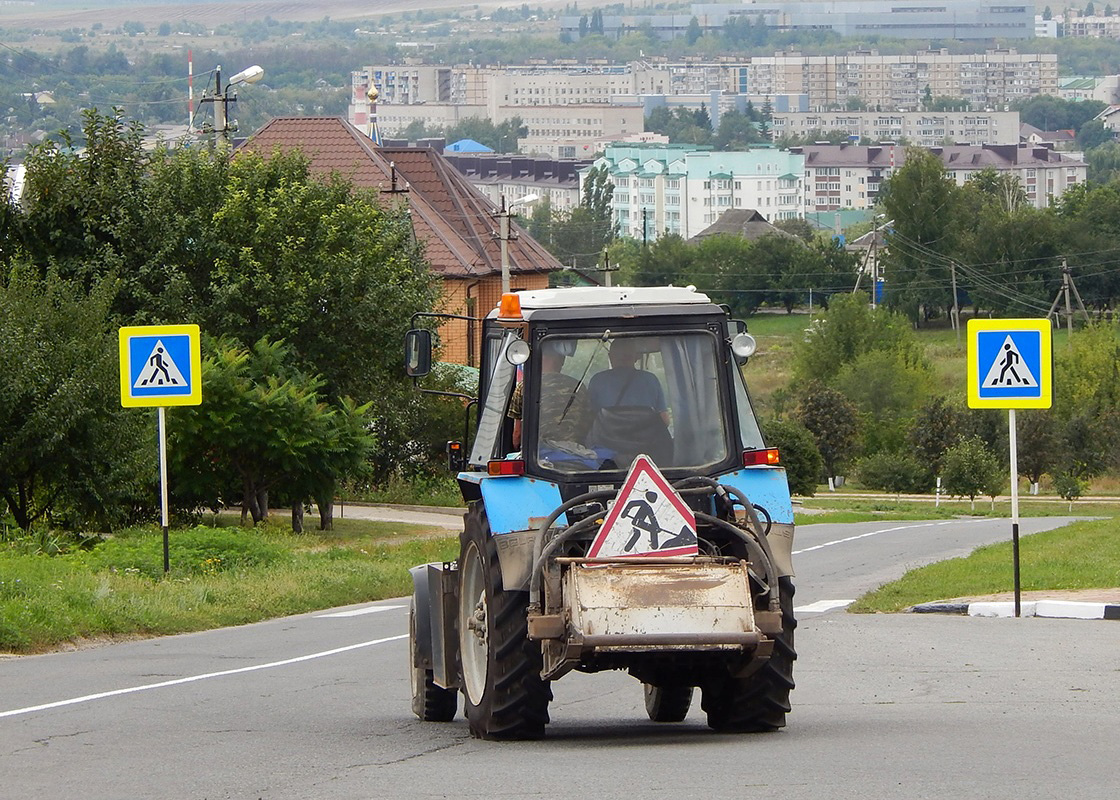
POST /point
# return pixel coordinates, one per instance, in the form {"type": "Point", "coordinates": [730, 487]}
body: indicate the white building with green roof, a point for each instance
{"type": "Point", "coordinates": [683, 189]}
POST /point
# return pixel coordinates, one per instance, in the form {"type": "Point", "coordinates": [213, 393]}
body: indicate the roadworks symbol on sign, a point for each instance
{"type": "Point", "coordinates": [649, 519]}
{"type": "Point", "coordinates": [159, 370]}
{"type": "Point", "coordinates": [1009, 369]}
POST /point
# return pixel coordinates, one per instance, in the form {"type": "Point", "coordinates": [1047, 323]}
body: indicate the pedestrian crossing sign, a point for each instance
{"type": "Point", "coordinates": [161, 365]}
{"type": "Point", "coordinates": [649, 519]}
{"type": "Point", "coordinates": [1009, 363]}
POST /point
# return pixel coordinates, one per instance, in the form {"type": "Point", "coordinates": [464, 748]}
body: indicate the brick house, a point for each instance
{"type": "Point", "coordinates": [455, 222]}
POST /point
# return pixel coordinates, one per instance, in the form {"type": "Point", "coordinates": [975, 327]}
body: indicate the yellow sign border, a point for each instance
{"type": "Point", "coordinates": [126, 334]}
{"type": "Point", "coordinates": [1046, 363]}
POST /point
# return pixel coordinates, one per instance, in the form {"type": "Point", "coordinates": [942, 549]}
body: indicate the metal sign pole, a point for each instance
{"type": "Point", "coordinates": [1012, 438]}
{"type": "Point", "coordinates": [163, 487]}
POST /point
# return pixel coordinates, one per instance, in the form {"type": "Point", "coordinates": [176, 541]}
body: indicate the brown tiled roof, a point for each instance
{"type": "Point", "coordinates": [455, 221]}
{"type": "Point", "coordinates": [745, 222]}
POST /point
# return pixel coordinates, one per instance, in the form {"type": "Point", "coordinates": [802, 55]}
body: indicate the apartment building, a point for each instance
{"type": "Point", "coordinates": [926, 129]}
{"type": "Point", "coordinates": [839, 177]}
{"type": "Point", "coordinates": [514, 177]}
{"type": "Point", "coordinates": [872, 81]}
{"type": "Point", "coordinates": [680, 189]}
{"type": "Point", "coordinates": [1090, 27]}
{"type": "Point", "coordinates": [897, 19]}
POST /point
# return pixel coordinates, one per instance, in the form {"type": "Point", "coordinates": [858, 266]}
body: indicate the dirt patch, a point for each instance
{"type": "Point", "coordinates": [1109, 596]}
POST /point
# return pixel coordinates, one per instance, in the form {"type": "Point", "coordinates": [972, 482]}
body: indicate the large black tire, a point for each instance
{"type": "Point", "coordinates": [667, 703]}
{"type": "Point", "coordinates": [430, 702]}
{"type": "Point", "coordinates": [760, 701]}
{"type": "Point", "coordinates": [504, 695]}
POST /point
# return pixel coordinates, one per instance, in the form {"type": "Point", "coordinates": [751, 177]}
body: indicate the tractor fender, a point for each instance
{"type": "Point", "coordinates": [434, 602]}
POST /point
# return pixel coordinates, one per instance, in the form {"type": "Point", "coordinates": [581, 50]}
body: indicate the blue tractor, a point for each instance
{"type": "Point", "coordinates": [623, 513]}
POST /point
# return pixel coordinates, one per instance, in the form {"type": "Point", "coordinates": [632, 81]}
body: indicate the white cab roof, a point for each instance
{"type": "Point", "coordinates": [610, 296]}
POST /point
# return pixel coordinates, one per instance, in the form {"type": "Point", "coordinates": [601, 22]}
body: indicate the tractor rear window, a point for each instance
{"type": "Point", "coordinates": [601, 401]}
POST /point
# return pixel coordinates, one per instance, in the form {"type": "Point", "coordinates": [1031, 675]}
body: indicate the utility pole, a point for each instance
{"type": "Point", "coordinates": [956, 307]}
{"type": "Point", "coordinates": [1069, 312]}
{"type": "Point", "coordinates": [607, 269]}
{"type": "Point", "coordinates": [503, 215]}
{"type": "Point", "coordinates": [1067, 286]}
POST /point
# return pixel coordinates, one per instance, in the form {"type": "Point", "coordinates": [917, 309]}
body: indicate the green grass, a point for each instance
{"type": "Point", "coordinates": [219, 577]}
{"type": "Point", "coordinates": [862, 510]}
{"type": "Point", "coordinates": [436, 490]}
{"type": "Point", "coordinates": [1084, 555]}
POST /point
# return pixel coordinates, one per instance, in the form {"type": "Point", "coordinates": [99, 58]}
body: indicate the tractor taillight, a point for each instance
{"type": "Point", "coordinates": [504, 467]}
{"type": "Point", "coordinates": [761, 458]}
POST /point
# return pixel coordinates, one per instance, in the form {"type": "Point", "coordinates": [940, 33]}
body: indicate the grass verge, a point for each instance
{"type": "Point", "coordinates": [1084, 555]}
{"type": "Point", "coordinates": [219, 577]}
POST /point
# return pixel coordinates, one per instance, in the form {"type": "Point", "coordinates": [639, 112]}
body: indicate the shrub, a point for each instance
{"type": "Point", "coordinates": [798, 452]}
{"type": "Point", "coordinates": [894, 472]}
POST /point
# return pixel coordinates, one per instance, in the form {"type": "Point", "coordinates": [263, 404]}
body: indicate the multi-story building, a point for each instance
{"type": "Point", "coordinates": [1090, 27]}
{"type": "Point", "coordinates": [922, 128]}
{"type": "Point", "coordinates": [515, 177]}
{"type": "Point", "coordinates": [682, 189]}
{"type": "Point", "coordinates": [839, 177]}
{"type": "Point", "coordinates": [897, 19]}
{"type": "Point", "coordinates": [890, 83]}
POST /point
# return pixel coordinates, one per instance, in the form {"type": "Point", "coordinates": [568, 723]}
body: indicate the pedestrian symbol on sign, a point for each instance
{"type": "Point", "coordinates": [1008, 369]}
{"type": "Point", "coordinates": [649, 519]}
{"type": "Point", "coordinates": [159, 370]}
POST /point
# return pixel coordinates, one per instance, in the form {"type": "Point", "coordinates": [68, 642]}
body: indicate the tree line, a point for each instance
{"type": "Point", "coordinates": [302, 286]}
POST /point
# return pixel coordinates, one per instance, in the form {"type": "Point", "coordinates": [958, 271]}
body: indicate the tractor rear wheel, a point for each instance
{"type": "Point", "coordinates": [430, 702]}
{"type": "Point", "coordinates": [760, 701]}
{"type": "Point", "coordinates": [505, 697]}
{"type": "Point", "coordinates": [667, 703]}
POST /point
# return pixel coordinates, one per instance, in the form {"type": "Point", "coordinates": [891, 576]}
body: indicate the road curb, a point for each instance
{"type": "Point", "coordinates": [1053, 609]}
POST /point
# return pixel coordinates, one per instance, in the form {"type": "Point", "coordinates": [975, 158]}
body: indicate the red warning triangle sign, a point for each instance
{"type": "Point", "coordinates": [647, 519]}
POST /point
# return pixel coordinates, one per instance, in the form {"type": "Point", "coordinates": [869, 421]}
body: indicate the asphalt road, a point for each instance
{"type": "Point", "coordinates": [316, 706]}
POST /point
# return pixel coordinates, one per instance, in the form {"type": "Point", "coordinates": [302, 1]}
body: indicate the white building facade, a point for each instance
{"type": "Point", "coordinates": [679, 189]}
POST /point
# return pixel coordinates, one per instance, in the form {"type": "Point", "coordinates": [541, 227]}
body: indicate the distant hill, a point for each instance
{"type": "Point", "coordinates": [63, 14]}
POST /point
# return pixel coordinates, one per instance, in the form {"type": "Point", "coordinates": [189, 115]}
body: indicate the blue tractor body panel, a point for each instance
{"type": "Point", "coordinates": [766, 487]}
{"type": "Point", "coordinates": [516, 503]}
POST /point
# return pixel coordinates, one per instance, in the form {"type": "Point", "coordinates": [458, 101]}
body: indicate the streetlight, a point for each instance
{"type": "Point", "coordinates": [221, 97]}
{"type": "Point", "coordinates": [504, 215]}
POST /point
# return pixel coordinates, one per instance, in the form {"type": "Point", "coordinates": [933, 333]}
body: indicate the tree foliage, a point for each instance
{"type": "Point", "coordinates": [971, 469]}
{"type": "Point", "coordinates": [834, 423]}
{"type": "Point", "coordinates": [264, 426]}
{"type": "Point", "coordinates": [798, 453]}
{"type": "Point", "coordinates": [68, 451]}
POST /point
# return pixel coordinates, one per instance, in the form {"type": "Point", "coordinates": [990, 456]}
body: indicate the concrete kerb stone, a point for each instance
{"type": "Point", "coordinates": [1055, 609]}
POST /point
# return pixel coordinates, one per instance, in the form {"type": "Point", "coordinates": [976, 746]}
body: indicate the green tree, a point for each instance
{"type": "Point", "coordinates": [970, 469]}
{"type": "Point", "coordinates": [887, 388]}
{"type": "Point", "coordinates": [846, 331]}
{"type": "Point", "coordinates": [67, 448]}
{"type": "Point", "coordinates": [935, 429]}
{"type": "Point", "coordinates": [1093, 134]}
{"type": "Point", "coordinates": [1038, 437]}
{"type": "Point", "coordinates": [924, 203]}
{"type": "Point", "coordinates": [834, 423]}
{"type": "Point", "coordinates": [265, 428]}
{"type": "Point", "coordinates": [895, 472]}
{"type": "Point", "coordinates": [693, 34]}
{"type": "Point", "coordinates": [798, 454]}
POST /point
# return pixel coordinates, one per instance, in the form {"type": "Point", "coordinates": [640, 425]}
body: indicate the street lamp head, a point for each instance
{"type": "Point", "coordinates": [528, 199]}
{"type": "Point", "coordinates": [248, 75]}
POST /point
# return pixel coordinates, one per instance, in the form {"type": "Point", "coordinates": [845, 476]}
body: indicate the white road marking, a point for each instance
{"type": "Point", "coordinates": [357, 612]}
{"type": "Point", "coordinates": [822, 605]}
{"type": "Point", "coordinates": [193, 678]}
{"type": "Point", "coordinates": [876, 533]}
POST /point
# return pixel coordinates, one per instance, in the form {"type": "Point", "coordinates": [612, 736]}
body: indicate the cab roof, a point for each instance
{"type": "Point", "coordinates": [582, 296]}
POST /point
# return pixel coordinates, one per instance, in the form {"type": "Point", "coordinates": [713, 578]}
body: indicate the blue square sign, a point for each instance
{"type": "Point", "coordinates": [160, 365]}
{"type": "Point", "coordinates": [1009, 363]}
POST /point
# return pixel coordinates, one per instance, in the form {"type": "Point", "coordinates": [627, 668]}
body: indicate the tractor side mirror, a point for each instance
{"type": "Point", "coordinates": [417, 352]}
